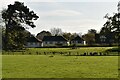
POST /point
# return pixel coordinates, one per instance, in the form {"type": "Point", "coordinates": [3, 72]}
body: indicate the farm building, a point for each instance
{"type": "Point", "coordinates": [105, 38]}
{"type": "Point", "coordinates": [77, 40]}
{"type": "Point", "coordinates": [54, 41]}
{"type": "Point", "coordinates": [33, 42]}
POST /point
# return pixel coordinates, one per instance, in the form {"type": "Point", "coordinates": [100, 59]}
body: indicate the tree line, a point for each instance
{"type": "Point", "coordinates": [89, 37]}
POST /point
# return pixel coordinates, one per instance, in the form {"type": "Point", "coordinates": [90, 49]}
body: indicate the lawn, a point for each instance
{"type": "Point", "coordinates": [58, 66]}
{"type": "Point", "coordinates": [0, 66]}
{"type": "Point", "coordinates": [42, 63]}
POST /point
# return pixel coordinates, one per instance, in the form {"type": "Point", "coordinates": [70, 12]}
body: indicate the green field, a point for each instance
{"type": "Point", "coordinates": [65, 51]}
{"type": "Point", "coordinates": [59, 66]}
{"type": "Point", "coordinates": [32, 66]}
{"type": "Point", "coordinates": [0, 65]}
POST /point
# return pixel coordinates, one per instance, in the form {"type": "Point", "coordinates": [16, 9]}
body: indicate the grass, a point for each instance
{"type": "Point", "coordinates": [59, 66]}
{"type": "Point", "coordinates": [65, 51]}
{"type": "Point", "coordinates": [0, 65]}
{"type": "Point", "coordinates": [42, 66]}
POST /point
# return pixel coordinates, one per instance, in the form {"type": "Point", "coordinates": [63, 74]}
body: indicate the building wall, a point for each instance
{"type": "Point", "coordinates": [77, 43]}
{"type": "Point", "coordinates": [54, 43]}
{"type": "Point", "coordinates": [33, 44]}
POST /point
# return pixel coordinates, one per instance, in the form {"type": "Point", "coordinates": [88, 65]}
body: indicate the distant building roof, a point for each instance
{"type": "Point", "coordinates": [54, 38]}
{"type": "Point", "coordinates": [33, 39]}
{"type": "Point", "coordinates": [77, 39]}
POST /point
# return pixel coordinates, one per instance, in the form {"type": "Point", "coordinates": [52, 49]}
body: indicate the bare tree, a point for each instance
{"type": "Point", "coordinates": [56, 31]}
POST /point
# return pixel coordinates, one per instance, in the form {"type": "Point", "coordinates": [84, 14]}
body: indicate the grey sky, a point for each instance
{"type": "Point", "coordinates": [77, 16]}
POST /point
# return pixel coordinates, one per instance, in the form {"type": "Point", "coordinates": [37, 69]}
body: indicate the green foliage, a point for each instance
{"type": "Point", "coordinates": [18, 13]}
{"type": "Point", "coordinates": [14, 17]}
{"type": "Point", "coordinates": [113, 50]}
{"type": "Point", "coordinates": [92, 31]}
{"type": "Point", "coordinates": [89, 38]}
{"type": "Point", "coordinates": [42, 34]}
{"type": "Point", "coordinates": [112, 25]}
{"type": "Point", "coordinates": [67, 36]}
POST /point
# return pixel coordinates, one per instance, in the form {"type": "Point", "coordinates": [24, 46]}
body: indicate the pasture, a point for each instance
{"type": "Point", "coordinates": [41, 66]}
{"type": "Point", "coordinates": [59, 66]}
{"type": "Point", "coordinates": [62, 51]}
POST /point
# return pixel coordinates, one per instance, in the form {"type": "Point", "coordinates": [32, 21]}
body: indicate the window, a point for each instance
{"type": "Point", "coordinates": [31, 43]}
{"type": "Point", "coordinates": [50, 42]}
{"type": "Point", "coordinates": [45, 42]}
{"type": "Point", "coordinates": [103, 38]}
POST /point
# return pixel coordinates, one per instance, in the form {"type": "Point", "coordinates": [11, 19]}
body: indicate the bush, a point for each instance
{"type": "Point", "coordinates": [113, 50]}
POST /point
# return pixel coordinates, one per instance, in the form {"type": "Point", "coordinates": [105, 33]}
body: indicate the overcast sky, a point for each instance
{"type": "Point", "coordinates": [69, 15]}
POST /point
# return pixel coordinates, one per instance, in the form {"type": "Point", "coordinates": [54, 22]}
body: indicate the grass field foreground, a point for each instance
{"type": "Point", "coordinates": [45, 66]}
{"type": "Point", "coordinates": [0, 66]}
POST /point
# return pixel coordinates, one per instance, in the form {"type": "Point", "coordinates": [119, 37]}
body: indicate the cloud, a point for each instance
{"type": "Point", "coordinates": [69, 25]}
{"type": "Point", "coordinates": [60, 13]}
{"type": "Point", "coordinates": [71, 0]}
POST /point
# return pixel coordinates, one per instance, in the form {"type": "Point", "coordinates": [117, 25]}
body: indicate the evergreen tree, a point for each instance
{"type": "Point", "coordinates": [15, 16]}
